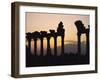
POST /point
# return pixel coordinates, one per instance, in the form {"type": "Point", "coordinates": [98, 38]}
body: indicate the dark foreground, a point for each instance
{"type": "Point", "coordinates": [48, 60]}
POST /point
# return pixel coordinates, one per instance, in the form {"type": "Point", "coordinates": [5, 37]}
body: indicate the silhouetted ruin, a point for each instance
{"type": "Point", "coordinates": [43, 34]}
{"type": "Point", "coordinates": [82, 30]}
{"type": "Point", "coordinates": [64, 58]}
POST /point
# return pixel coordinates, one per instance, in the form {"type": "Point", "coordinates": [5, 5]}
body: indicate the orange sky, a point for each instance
{"type": "Point", "coordinates": [46, 21]}
{"type": "Point", "coordinates": [43, 21]}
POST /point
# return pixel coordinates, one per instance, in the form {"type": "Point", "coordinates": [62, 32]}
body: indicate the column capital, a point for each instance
{"type": "Point", "coordinates": [78, 34]}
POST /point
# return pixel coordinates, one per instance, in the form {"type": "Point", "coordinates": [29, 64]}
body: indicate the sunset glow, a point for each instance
{"type": "Point", "coordinates": [45, 21]}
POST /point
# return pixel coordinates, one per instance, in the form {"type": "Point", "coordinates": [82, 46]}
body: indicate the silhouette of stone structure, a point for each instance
{"type": "Point", "coordinates": [43, 34]}
{"type": "Point", "coordinates": [28, 37]}
{"type": "Point", "coordinates": [81, 30]}
{"type": "Point", "coordinates": [61, 31]}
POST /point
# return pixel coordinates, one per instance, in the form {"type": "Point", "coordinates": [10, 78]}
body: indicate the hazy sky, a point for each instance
{"type": "Point", "coordinates": [46, 21]}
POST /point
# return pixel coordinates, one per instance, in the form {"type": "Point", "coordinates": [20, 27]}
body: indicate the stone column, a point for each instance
{"type": "Point", "coordinates": [62, 44]}
{"type": "Point", "coordinates": [55, 45]}
{"type": "Point", "coordinates": [35, 46]}
{"type": "Point", "coordinates": [29, 45]}
{"type": "Point", "coordinates": [79, 43]}
{"type": "Point", "coordinates": [87, 44]}
{"type": "Point", "coordinates": [41, 45]}
{"type": "Point", "coordinates": [48, 46]}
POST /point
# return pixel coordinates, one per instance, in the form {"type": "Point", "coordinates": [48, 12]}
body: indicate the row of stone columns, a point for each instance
{"type": "Point", "coordinates": [48, 45]}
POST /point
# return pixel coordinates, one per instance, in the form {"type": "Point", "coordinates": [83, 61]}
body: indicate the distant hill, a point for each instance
{"type": "Point", "coordinates": [70, 47]}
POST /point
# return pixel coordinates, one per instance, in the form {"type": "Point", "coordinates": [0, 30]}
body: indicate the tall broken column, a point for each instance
{"type": "Point", "coordinates": [81, 30]}
{"type": "Point", "coordinates": [62, 44]}
{"type": "Point", "coordinates": [79, 43]}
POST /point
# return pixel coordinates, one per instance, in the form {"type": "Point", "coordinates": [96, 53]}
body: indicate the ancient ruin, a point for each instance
{"type": "Point", "coordinates": [43, 34]}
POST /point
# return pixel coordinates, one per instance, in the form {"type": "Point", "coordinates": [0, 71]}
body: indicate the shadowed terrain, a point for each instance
{"type": "Point", "coordinates": [70, 57]}
{"type": "Point", "coordinates": [71, 54]}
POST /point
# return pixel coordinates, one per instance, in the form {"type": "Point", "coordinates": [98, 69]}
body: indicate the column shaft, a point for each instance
{"type": "Point", "coordinates": [79, 44]}
{"type": "Point", "coordinates": [87, 44]}
{"type": "Point", "coordinates": [62, 44]}
{"type": "Point", "coordinates": [35, 47]}
{"type": "Point", "coordinates": [55, 45]}
{"type": "Point", "coordinates": [48, 46]}
{"type": "Point", "coordinates": [41, 46]}
{"type": "Point", "coordinates": [29, 46]}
